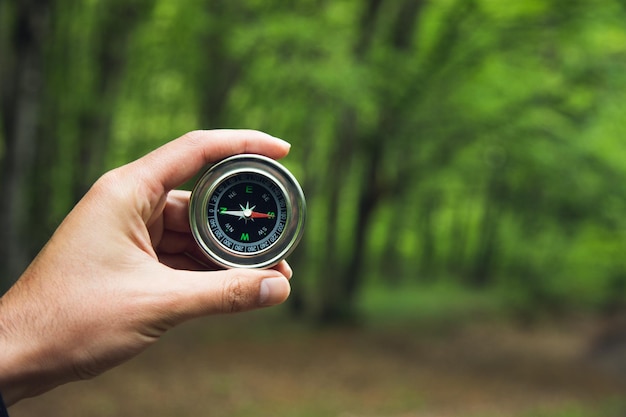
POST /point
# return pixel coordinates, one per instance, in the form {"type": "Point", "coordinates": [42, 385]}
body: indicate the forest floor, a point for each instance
{"type": "Point", "coordinates": [260, 364]}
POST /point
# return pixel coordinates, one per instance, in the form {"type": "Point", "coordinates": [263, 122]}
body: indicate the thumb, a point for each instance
{"type": "Point", "coordinates": [228, 291]}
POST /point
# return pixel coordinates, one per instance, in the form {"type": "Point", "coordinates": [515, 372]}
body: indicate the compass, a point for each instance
{"type": "Point", "coordinates": [247, 211]}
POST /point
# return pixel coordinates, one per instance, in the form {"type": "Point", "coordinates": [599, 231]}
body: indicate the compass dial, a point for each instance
{"type": "Point", "coordinates": [247, 211]}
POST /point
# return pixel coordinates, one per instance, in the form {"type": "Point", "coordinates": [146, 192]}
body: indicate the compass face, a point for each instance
{"type": "Point", "coordinates": [247, 211]}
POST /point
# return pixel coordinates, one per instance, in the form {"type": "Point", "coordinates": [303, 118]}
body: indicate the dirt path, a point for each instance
{"type": "Point", "coordinates": [256, 366]}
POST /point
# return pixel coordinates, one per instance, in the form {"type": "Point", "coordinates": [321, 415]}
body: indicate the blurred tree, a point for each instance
{"type": "Point", "coordinates": [24, 30]}
{"type": "Point", "coordinates": [57, 116]}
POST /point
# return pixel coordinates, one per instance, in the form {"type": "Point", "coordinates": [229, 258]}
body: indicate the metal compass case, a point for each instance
{"type": "Point", "coordinates": [247, 211]}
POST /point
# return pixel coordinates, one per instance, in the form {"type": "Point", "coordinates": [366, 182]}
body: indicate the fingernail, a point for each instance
{"type": "Point", "coordinates": [273, 291]}
{"type": "Point", "coordinates": [288, 270]}
{"type": "Point", "coordinates": [283, 141]}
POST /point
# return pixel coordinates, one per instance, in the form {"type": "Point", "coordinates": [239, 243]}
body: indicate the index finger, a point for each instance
{"type": "Point", "coordinates": [179, 160]}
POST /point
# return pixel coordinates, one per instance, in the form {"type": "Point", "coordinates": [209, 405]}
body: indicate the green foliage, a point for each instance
{"type": "Point", "coordinates": [444, 305]}
{"type": "Point", "coordinates": [478, 142]}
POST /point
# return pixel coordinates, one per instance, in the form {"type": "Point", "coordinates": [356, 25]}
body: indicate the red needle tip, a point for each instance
{"type": "Point", "coordinates": [256, 215]}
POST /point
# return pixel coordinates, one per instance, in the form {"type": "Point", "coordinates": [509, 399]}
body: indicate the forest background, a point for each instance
{"type": "Point", "coordinates": [460, 158]}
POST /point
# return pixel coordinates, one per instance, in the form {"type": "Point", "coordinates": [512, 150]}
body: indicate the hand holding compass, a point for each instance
{"type": "Point", "coordinates": [120, 269]}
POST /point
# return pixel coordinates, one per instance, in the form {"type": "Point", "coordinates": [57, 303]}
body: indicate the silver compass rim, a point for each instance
{"type": "Point", "coordinates": [210, 180]}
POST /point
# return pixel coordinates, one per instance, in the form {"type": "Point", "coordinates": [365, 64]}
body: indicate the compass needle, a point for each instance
{"type": "Point", "coordinates": [233, 213]}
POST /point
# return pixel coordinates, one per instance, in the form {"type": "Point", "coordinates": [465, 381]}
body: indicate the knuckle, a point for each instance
{"type": "Point", "coordinates": [236, 295]}
{"type": "Point", "coordinates": [107, 180]}
{"type": "Point", "coordinates": [108, 184]}
{"type": "Point", "coordinates": [194, 137]}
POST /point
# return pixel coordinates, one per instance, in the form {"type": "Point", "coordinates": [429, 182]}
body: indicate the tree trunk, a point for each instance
{"type": "Point", "coordinates": [486, 252]}
{"type": "Point", "coordinates": [21, 99]}
{"type": "Point", "coordinates": [344, 279]}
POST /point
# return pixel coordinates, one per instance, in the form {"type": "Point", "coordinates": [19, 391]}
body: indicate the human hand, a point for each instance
{"type": "Point", "coordinates": [123, 268]}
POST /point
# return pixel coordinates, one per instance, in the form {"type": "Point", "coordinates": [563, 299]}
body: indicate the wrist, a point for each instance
{"type": "Point", "coordinates": [13, 371]}
{"type": "Point", "coordinates": [23, 370]}
{"type": "Point", "coordinates": [18, 378]}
